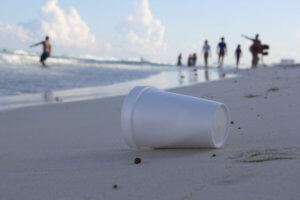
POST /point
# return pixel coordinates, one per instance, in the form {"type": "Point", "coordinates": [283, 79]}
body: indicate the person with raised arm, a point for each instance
{"type": "Point", "coordinates": [256, 48]}
{"type": "Point", "coordinates": [46, 50]}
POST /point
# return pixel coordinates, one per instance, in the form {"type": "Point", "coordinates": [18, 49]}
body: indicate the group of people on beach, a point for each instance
{"type": "Point", "coordinates": [256, 48]}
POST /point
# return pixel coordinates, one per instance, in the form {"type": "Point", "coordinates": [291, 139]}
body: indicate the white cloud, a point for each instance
{"type": "Point", "coordinates": [65, 29]}
{"type": "Point", "coordinates": [142, 32]}
{"type": "Point", "coordinates": [12, 32]}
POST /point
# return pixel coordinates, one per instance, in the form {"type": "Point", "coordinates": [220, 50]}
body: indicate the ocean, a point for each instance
{"type": "Point", "coordinates": [23, 82]}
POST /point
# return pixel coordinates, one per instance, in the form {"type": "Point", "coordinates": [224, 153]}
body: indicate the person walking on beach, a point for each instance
{"type": "Point", "coordinates": [238, 54]}
{"type": "Point", "coordinates": [46, 50]}
{"type": "Point", "coordinates": [222, 51]}
{"type": "Point", "coordinates": [179, 60]}
{"type": "Point", "coordinates": [206, 52]}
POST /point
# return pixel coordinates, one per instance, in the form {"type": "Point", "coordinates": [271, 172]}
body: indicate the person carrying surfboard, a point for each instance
{"type": "Point", "coordinates": [257, 48]}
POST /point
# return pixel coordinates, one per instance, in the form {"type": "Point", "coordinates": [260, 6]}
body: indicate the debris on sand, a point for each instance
{"type": "Point", "coordinates": [115, 186]}
{"type": "Point", "coordinates": [252, 95]}
{"type": "Point", "coordinates": [137, 161]}
{"type": "Point", "coordinates": [272, 90]}
{"type": "Point", "coordinates": [265, 155]}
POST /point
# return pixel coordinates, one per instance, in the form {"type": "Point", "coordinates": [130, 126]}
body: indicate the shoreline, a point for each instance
{"type": "Point", "coordinates": [175, 78]}
{"type": "Point", "coordinates": [76, 150]}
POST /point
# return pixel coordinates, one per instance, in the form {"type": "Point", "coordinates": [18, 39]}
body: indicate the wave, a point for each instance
{"type": "Point", "coordinates": [22, 57]}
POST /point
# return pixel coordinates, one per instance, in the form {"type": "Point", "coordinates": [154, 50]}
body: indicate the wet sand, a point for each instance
{"type": "Point", "coordinates": [76, 151]}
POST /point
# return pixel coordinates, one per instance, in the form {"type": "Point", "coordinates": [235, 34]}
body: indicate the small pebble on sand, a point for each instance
{"type": "Point", "coordinates": [137, 161]}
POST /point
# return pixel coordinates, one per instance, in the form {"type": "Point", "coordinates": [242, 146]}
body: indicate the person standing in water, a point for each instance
{"type": "Point", "coordinates": [238, 54]}
{"type": "Point", "coordinates": [189, 62]}
{"type": "Point", "coordinates": [194, 59]}
{"type": "Point", "coordinates": [46, 50]}
{"type": "Point", "coordinates": [206, 52]}
{"type": "Point", "coordinates": [222, 51]}
{"type": "Point", "coordinates": [179, 60]}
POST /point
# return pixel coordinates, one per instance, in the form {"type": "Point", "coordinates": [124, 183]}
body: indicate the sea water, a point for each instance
{"type": "Point", "coordinates": [24, 82]}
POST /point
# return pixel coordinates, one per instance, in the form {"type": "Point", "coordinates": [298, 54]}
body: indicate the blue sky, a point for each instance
{"type": "Point", "coordinates": [175, 26]}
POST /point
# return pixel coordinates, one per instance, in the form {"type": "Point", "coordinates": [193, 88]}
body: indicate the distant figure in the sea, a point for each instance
{"type": "Point", "coordinates": [189, 63]}
{"type": "Point", "coordinates": [194, 59]}
{"type": "Point", "coordinates": [238, 54]}
{"type": "Point", "coordinates": [206, 52]}
{"type": "Point", "coordinates": [46, 50]}
{"type": "Point", "coordinates": [222, 51]}
{"type": "Point", "coordinates": [179, 60]}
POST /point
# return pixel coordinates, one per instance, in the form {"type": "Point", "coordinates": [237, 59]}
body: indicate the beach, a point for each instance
{"type": "Point", "coordinates": [76, 151]}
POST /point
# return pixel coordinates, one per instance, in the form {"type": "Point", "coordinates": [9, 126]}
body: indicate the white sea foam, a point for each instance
{"type": "Point", "coordinates": [21, 57]}
{"type": "Point", "coordinates": [20, 72]}
{"type": "Point", "coordinates": [96, 58]}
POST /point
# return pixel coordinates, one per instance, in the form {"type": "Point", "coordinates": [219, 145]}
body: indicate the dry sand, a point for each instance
{"type": "Point", "coordinates": [76, 151]}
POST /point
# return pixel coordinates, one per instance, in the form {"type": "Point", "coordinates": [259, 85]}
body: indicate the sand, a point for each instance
{"type": "Point", "coordinates": [76, 150]}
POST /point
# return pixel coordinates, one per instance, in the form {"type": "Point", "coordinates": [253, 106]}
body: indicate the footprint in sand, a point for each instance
{"type": "Point", "coordinates": [255, 156]}
{"type": "Point", "coordinates": [266, 94]}
{"type": "Point", "coordinates": [252, 95]}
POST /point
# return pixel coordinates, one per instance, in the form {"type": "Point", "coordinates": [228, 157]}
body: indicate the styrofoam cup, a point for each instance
{"type": "Point", "coordinates": [159, 119]}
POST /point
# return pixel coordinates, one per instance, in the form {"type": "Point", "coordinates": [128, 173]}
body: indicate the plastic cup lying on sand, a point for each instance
{"type": "Point", "coordinates": [154, 118]}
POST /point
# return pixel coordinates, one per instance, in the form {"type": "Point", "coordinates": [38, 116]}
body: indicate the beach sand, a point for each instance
{"type": "Point", "coordinates": [76, 150]}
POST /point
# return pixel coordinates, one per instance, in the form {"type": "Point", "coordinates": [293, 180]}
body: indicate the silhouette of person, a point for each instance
{"type": "Point", "coordinates": [238, 54]}
{"type": "Point", "coordinates": [46, 50]}
{"type": "Point", "coordinates": [255, 49]}
{"type": "Point", "coordinates": [194, 59]}
{"type": "Point", "coordinates": [222, 51]}
{"type": "Point", "coordinates": [206, 52]}
{"type": "Point", "coordinates": [189, 60]}
{"type": "Point", "coordinates": [179, 60]}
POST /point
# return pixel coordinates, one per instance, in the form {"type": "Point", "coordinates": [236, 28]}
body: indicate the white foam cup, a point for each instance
{"type": "Point", "coordinates": [158, 119]}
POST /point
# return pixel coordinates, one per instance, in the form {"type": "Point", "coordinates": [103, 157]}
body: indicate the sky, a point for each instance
{"type": "Point", "coordinates": [157, 30]}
